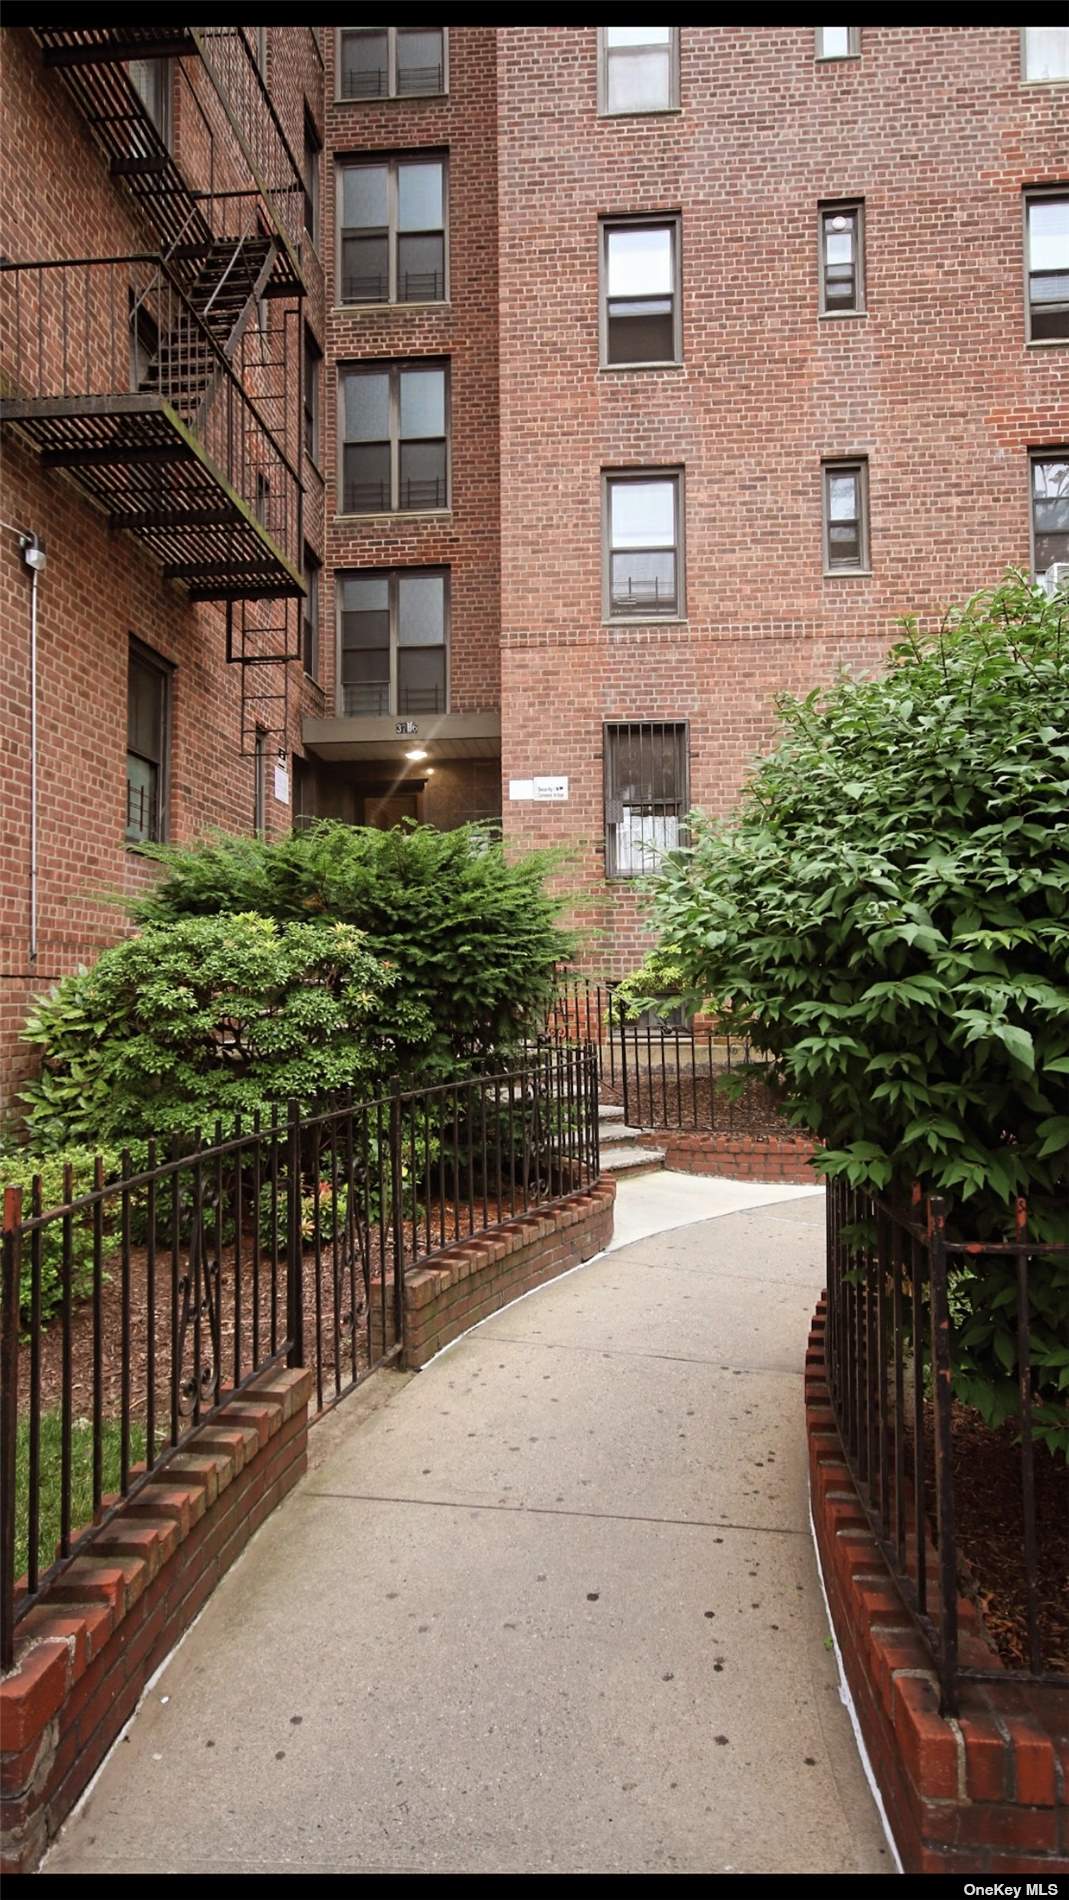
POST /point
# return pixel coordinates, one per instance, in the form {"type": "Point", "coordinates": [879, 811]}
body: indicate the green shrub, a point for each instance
{"type": "Point", "coordinates": [208, 1018]}
{"type": "Point", "coordinates": [17, 1169]}
{"type": "Point", "coordinates": [888, 917]}
{"type": "Point", "coordinates": [473, 935]}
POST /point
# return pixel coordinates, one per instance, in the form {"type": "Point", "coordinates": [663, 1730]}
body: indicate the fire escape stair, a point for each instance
{"type": "Point", "coordinates": [186, 370]}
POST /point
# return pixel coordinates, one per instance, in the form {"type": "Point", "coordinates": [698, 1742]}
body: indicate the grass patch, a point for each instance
{"type": "Point", "coordinates": [50, 1478]}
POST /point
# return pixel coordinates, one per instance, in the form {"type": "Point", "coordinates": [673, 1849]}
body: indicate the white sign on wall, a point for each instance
{"type": "Point", "coordinates": [547, 790]}
{"type": "Point", "coordinates": [282, 784]}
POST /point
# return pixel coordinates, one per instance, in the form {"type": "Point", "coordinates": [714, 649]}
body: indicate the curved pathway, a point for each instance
{"type": "Point", "coordinates": [549, 1607]}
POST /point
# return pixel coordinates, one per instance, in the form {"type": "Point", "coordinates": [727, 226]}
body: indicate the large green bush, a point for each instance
{"type": "Point", "coordinates": [208, 1018]}
{"type": "Point", "coordinates": [473, 934]}
{"type": "Point", "coordinates": [19, 1169]}
{"type": "Point", "coordinates": [889, 918]}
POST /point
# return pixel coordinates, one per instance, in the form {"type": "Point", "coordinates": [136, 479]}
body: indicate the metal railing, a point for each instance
{"type": "Point", "coordinates": [891, 1347]}
{"type": "Point", "coordinates": [70, 330]}
{"type": "Point", "coordinates": [664, 1071]}
{"type": "Point", "coordinates": [133, 1310]}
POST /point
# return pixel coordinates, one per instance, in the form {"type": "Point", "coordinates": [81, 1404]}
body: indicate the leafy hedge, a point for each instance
{"type": "Point", "coordinates": [889, 918]}
{"type": "Point", "coordinates": [473, 935]}
{"type": "Point", "coordinates": [208, 1018]}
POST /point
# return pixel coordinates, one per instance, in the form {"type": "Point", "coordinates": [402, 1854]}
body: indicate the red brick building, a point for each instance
{"type": "Point", "coordinates": [601, 381]}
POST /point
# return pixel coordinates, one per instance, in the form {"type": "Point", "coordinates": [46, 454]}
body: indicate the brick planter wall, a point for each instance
{"type": "Point", "coordinates": [736, 1157]}
{"type": "Point", "coordinates": [987, 1793]}
{"type": "Point", "coordinates": [477, 1277]}
{"type": "Point", "coordinates": [113, 1616]}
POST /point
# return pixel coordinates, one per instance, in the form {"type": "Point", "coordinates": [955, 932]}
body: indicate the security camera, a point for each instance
{"type": "Point", "coordinates": [34, 555]}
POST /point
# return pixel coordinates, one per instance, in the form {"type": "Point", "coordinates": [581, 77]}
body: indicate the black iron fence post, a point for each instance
{"type": "Point", "coordinates": [623, 1057]}
{"type": "Point", "coordinates": [9, 1417]}
{"type": "Point", "coordinates": [398, 1209]}
{"type": "Point", "coordinates": [944, 1469]}
{"type": "Point", "coordinates": [294, 1240]}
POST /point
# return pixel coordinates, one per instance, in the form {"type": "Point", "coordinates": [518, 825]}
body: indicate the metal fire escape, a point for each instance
{"type": "Point", "coordinates": [145, 378]}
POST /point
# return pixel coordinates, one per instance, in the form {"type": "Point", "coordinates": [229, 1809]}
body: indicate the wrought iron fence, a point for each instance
{"type": "Point", "coordinates": [132, 1311]}
{"type": "Point", "coordinates": [891, 1356]}
{"type": "Point", "coordinates": [666, 1071]}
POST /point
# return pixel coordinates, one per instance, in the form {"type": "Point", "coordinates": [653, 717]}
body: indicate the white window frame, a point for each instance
{"type": "Point", "coordinates": [853, 47]}
{"type": "Point", "coordinates": [657, 221]}
{"type": "Point", "coordinates": [610, 478]}
{"type": "Point", "coordinates": [1060, 79]}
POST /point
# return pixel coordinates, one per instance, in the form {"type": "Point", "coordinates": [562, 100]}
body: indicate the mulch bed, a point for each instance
{"type": "Point", "coordinates": [697, 1102]}
{"type": "Point", "coordinates": [987, 1493]}
{"type": "Point", "coordinates": [447, 1224]}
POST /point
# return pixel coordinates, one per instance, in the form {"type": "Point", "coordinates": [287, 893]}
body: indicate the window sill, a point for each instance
{"type": "Point", "coordinates": [1062, 80]}
{"type": "Point", "coordinates": [1046, 342]}
{"type": "Point", "coordinates": [834, 59]}
{"type": "Point", "coordinates": [645, 112]}
{"type": "Point", "coordinates": [388, 98]}
{"type": "Point", "coordinates": [399, 514]}
{"type": "Point", "coordinates": [840, 316]}
{"type": "Point", "coordinates": [647, 620]}
{"type": "Point", "coordinates": [621, 369]}
{"type": "Point", "coordinates": [365, 309]}
{"type": "Point", "coordinates": [847, 573]}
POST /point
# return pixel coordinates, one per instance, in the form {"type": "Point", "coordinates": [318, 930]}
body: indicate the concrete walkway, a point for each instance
{"type": "Point", "coordinates": [551, 1606]}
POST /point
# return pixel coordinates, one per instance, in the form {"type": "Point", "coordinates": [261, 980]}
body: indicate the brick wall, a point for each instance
{"type": "Point", "coordinates": [464, 330]}
{"type": "Point", "coordinates": [933, 128]}
{"type": "Point", "coordinates": [477, 1277]}
{"type": "Point", "coordinates": [986, 1793]}
{"type": "Point", "coordinates": [87, 1651]}
{"type": "Point", "coordinates": [736, 1157]}
{"type": "Point", "coordinates": [100, 587]}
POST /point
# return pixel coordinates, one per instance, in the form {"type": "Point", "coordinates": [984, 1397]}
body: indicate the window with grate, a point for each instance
{"type": "Point", "coordinates": [147, 745]}
{"type": "Point", "coordinates": [640, 291]}
{"type": "Point", "coordinates": [393, 641]}
{"type": "Point", "coordinates": [310, 177]}
{"type": "Point", "coordinates": [842, 282]}
{"type": "Point", "coordinates": [1047, 240]}
{"type": "Point", "coordinates": [391, 230]}
{"type": "Point", "coordinates": [312, 371]}
{"type": "Point", "coordinates": [391, 62]}
{"type": "Point", "coordinates": [646, 795]}
{"type": "Point", "coordinates": [394, 437]}
{"type": "Point", "coordinates": [643, 545]}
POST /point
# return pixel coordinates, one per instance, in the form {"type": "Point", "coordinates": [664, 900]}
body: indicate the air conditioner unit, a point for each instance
{"type": "Point", "coordinates": [1056, 579]}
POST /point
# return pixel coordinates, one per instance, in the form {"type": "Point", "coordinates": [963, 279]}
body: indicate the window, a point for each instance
{"type": "Point", "coordinates": [643, 546]}
{"type": "Point", "coordinates": [144, 342]}
{"type": "Point", "coordinates": [392, 230]}
{"type": "Point", "coordinates": [640, 292]}
{"type": "Point", "coordinates": [263, 499]}
{"type": "Point", "coordinates": [312, 360]}
{"type": "Point", "coordinates": [310, 616]}
{"type": "Point", "coordinates": [151, 80]}
{"type": "Point", "coordinates": [391, 62]}
{"type": "Point", "coordinates": [1047, 242]}
{"type": "Point", "coordinates": [838, 42]}
{"type": "Point", "coordinates": [147, 719]}
{"type": "Point", "coordinates": [645, 794]}
{"type": "Point", "coordinates": [638, 69]}
{"type": "Point", "coordinates": [394, 434]}
{"type": "Point", "coordinates": [392, 633]}
{"type": "Point", "coordinates": [259, 764]}
{"type": "Point", "coordinates": [842, 280]}
{"type": "Point", "coordinates": [1050, 509]}
{"type": "Point", "coordinates": [312, 150]}
{"type": "Point", "coordinates": [1046, 52]}
{"type": "Point", "coordinates": [846, 539]}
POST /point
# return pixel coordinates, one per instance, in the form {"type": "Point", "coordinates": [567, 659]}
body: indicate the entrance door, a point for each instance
{"type": "Point", "coordinates": [384, 813]}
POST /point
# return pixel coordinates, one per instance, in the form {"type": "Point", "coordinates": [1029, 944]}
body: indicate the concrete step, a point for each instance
{"type": "Point", "coordinates": [631, 1160]}
{"type": "Point", "coordinates": [608, 1112]}
{"type": "Point", "coordinates": [611, 1132]}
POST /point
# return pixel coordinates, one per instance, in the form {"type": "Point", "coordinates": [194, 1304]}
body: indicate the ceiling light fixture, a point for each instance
{"type": "Point", "coordinates": [416, 753]}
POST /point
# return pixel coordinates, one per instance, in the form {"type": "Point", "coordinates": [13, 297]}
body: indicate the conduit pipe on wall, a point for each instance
{"type": "Point", "coordinates": [34, 556]}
